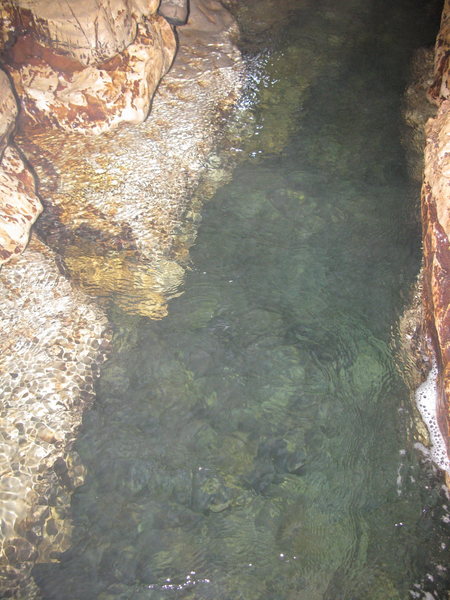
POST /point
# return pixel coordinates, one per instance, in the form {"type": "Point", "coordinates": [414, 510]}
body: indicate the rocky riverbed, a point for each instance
{"type": "Point", "coordinates": [117, 215]}
{"type": "Point", "coordinates": [121, 196]}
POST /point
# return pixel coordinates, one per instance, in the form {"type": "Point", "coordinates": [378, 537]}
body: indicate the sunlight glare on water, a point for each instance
{"type": "Point", "coordinates": [255, 444]}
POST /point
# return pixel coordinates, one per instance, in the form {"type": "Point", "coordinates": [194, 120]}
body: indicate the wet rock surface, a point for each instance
{"type": "Point", "coordinates": [95, 97]}
{"type": "Point", "coordinates": [436, 246]}
{"type": "Point", "coordinates": [119, 213]}
{"type": "Point", "coordinates": [19, 204]}
{"type": "Point", "coordinates": [436, 229]}
{"type": "Point", "coordinates": [116, 204]}
{"type": "Point", "coordinates": [52, 341]}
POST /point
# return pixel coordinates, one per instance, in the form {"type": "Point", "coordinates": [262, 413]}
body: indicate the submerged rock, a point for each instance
{"type": "Point", "coordinates": [52, 341]}
{"type": "Point", "coordinates": [114, 211]}
{"type": "Point", "coordinates": [417, 110]}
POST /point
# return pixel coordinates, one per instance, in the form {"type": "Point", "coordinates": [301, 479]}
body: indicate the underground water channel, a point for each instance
{"type": "Point", "coordinates": [257, 443]}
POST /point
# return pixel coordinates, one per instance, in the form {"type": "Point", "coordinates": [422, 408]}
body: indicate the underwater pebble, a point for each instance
{"type": "Point", "coordinates": [41, 404]}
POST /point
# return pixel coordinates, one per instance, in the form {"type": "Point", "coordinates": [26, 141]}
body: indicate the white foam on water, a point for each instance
{"type": "Point", "coordinates": [427, 400]}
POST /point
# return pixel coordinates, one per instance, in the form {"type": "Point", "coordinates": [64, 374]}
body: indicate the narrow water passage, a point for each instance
{"type": "Point", "coordinates": [255, 444]}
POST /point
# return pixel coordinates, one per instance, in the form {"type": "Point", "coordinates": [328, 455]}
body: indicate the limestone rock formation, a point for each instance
{"type": "Point", "coordinates": [8, 112]}
{"type": "Point", "coordinates": [436, 225]}
{"type": "Point", "coordinates": [122, 219]}
{"type": "Point", "coordinates": [94, 98]}
{"type": "Point", "coordinates": [89, 32]}
{"type": "Point", "coordinates": [85, 66]}
{"type": "Point", "coordinates": [440, 88]}
{"type": "Point", "coordinates": [19, 204]}
{"type": "Point", "coordinates": [114, 207]}
{"type": "Point", "coordinates": [436, 248]}
{"type": "Point", "coordinates": [52, 340]}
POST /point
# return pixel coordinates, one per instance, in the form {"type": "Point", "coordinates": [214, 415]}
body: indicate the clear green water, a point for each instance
{"type": "Point", "coordinates": [255, 444]}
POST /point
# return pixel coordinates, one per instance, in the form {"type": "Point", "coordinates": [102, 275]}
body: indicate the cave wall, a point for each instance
{"type": "Point", "coordinates": [435, 211]}
{"type": "Point", "coordinates": [83, 75]}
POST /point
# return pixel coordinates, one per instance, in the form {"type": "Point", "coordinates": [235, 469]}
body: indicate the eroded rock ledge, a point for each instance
{"type": "Point", "coordinates": [20, 205]}
{"type": "Point", "coordinates": [436, 226]}
{"type": "Point", "coordinates": [435, 214]}
{"type": "Point", "coordinates": [118, 217]}
{"type": "Point", "coordinates": [86, 66]}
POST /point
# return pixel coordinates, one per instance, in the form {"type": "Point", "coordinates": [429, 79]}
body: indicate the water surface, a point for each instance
{"type": "Point", "coordinates": [256, 444]}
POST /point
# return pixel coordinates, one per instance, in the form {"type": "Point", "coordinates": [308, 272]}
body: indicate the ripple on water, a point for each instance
{"type": "Point", "coordinates": [247, 446]}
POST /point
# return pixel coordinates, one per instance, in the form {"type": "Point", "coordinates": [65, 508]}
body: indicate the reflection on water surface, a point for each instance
{"type": "Point", "coordinates": [255, 444]}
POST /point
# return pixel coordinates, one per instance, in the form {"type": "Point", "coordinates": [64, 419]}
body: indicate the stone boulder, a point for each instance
{"type": "Point", "coordinates": [436, 249]}
{"type": "Point", "coordinates": [440, 88]}
{"type": "Point", "coordinates": [93, 98]}
{"type": "Point", "coordinates": [84, 66]}
{"type": "Point", "coordinates": [19, 204]}
{"type": "Point", "coordinates": [89, 32]}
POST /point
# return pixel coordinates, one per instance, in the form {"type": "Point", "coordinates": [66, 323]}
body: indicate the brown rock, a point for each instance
{"type": "Point", "coordinates": [19, 204]}
{"type": "Point", "coordinates": [90, 32]}
{"type": "Point", "coordinates": [92, 99]}
{"type": "Point", "coordinates": [436, 244]}
{"type": "Point", "coordinates": [114, 209]}
{"type": "Point", "coordinates": [440, 89]}
{"type": "Point", "coordinates": [8, 111]}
